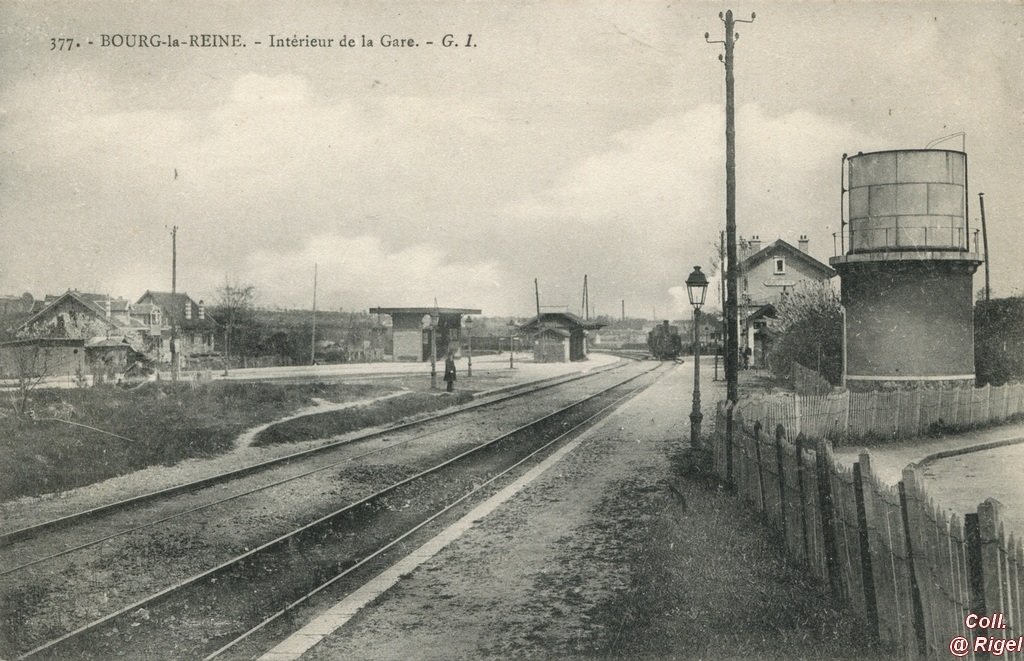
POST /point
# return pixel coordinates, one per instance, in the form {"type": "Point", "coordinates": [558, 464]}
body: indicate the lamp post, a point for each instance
{"type": "Point", "coordinates": [430, 322]}
{"type": "Point", "coordinates": [696, 289]}
{"type": "Point", "coordinates": [511, 343]}
{"type": "Point", "coordinates": [469, 351]}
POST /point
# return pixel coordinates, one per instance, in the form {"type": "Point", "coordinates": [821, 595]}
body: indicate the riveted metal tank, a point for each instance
{"type": "Point", "coordinates": [907, 271]}
{"type": "Point", "coordinates": [911, 199]}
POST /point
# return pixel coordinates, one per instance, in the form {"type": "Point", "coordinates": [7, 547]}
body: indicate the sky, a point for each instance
{"type": "Point", "coordinates": [571, 138]}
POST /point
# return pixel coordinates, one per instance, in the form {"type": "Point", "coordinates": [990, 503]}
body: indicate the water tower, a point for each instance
{"type": "Point", "coordinates": [907, 270]}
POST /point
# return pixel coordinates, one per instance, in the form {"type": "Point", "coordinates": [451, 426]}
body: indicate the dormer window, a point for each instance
{"type": "Point", "coordinates": [780, 265]}
{"type": "Point", "coordinates": [154, 317]}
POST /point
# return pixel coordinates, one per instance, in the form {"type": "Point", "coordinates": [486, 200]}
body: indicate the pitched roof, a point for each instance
{"type": "Point", "coordinates": [559, 320]}
{"type": "Point", "coordinates": [173, 306]}
{"type": "Point", "coordinates": [779, 245]}
{"type": "Point", "coordinates": [87, 301]}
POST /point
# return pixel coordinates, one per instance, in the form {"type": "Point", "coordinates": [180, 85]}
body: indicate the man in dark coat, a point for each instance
{"type": "Point", "coordinates": [449, 372]}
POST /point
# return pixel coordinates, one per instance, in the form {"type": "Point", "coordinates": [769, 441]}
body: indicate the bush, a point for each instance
{"type": "Point", "coordinates": [808, 329]}
{"type": "Point", "coordinates": [999, 340]}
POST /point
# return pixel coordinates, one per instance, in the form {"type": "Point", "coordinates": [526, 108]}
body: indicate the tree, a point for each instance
{"type": "Point", "coordinates": [808, 329]}
{"type": "Point", "coordinates": [235, 311]}
{"type": "Point", "coordinates": [29, 364]}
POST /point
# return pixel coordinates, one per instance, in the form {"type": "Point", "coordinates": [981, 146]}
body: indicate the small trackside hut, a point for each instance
{"type": "Point", "coordinates": [411, 336]}
{"type": "Point", "coordinates": [559, 337]}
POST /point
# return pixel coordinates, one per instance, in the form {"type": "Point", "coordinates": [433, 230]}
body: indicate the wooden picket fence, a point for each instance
{"type": "Point", "coordinates": [909, 569]}
{"type": "Point", "coordinates": [899, 414]}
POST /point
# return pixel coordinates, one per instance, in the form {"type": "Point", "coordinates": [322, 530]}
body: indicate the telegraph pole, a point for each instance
{"type": "Point", "coordinates": [312, 342]}
{"type": "Point", "coordinates": [586, 303]}
{"type": "Point", "coordinates": [174, 302]}
{"type": "Point", "coordinates": [984, 236]}
{"type": "Point", "coordinates": [732, 321]}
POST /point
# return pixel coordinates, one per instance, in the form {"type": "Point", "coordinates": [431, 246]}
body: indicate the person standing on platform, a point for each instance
{"type": "Point", "coordinates": [449, 372]}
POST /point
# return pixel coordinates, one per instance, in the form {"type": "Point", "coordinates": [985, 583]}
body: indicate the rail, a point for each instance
{"type": "Point", "coordinates": [903, 238]}
{"type": "Point", "coordinates": [229, 584]}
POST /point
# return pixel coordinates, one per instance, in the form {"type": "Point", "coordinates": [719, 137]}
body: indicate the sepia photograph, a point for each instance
{"type": "Point", "coordinates": [477, 329]}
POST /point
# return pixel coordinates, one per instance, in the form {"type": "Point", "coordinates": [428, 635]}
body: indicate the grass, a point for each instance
{"type": "Point", "coordinates": [166, 424]}
{"type": "Point", "coordinates": [708, 581]}
{"type": "Point", "coordinates": [333, 423]}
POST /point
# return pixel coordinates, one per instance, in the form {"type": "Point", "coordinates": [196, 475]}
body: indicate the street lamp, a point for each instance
{"type": "Point", "coordinates": [696, 289]}
{"type": "Point", "coordinates": [511, 343]}
{"type": "Point", "coordinates": [430, 322]}
{"type": "Point", "coordinates": [469, 332]}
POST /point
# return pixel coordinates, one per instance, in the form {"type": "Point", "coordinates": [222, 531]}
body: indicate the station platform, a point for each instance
{"type": "Point", "coordinates": [486, 369]}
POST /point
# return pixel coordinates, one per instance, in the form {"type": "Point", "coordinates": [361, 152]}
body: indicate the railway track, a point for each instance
{"type": "Point", "coordinates": [75, 518]}
{"type": "Point", "coordinates": [303, 538]}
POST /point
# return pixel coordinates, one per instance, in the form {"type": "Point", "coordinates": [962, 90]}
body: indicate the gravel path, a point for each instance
{"type": "Point", "coordinates": [320, 406]}
{"type": "Point", "coordinates": [608, 554]}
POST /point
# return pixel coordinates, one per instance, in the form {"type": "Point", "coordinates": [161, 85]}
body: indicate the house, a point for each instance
{"type": "Point", "coordinates": [764, 276]}
{"type": "Point", "coordinates": [176, 314]}
{"type": "Point", "coordinates": [76, 336]}
{"type": "Point", "coordinates": [80, 315]}
{"type": "Point", "coordinates": [559, 337]}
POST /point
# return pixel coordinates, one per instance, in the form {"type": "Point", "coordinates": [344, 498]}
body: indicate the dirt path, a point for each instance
{"type": "Point", "coordinates": [320, 406]}
{"type": "Point", "coordinates": [608, 554]}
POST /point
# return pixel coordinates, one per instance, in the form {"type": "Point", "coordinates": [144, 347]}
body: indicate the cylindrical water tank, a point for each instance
{"type": "Point", "coordinates": [908, 200]}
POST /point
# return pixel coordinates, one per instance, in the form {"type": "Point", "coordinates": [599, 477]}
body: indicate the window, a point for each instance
{"type": "Point", "coordinates": [780, 265]}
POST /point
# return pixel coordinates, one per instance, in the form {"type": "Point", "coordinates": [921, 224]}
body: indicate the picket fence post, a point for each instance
{"type": "Point", "coordinates": [846, 421]}
{"type": "Point", "coordinates": [799, 417]}
{"type": "Point", "coordinates": [800, 481]}
{"type": "Point", "coordinates": [989, 517]}
{"type": "Point", "coordinates": [866, 568]}
{"type": "Point", "coordinates": [908, 483]}
{"type": "Point", "coordinates": [780, 431]}
{"type": "Point", "coordinates": [760, 474]}
{"type": "Point", "coordinates": [823, 459]}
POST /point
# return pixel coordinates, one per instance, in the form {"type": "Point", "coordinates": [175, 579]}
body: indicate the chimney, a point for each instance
{"type": "Point", "coordinates": [754, 243]}
{"type": "Point", "coordinates": [804, 243]}
{"type": "Point", "coordinates": [188, 309]}
{"type": "Point", "coordinates": [202, 310]}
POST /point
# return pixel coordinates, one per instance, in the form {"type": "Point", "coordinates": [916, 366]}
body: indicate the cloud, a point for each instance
{"type": "Point", "coordinates": [652, 203]}
{"type": "Point", "coordinates": [360, 272]}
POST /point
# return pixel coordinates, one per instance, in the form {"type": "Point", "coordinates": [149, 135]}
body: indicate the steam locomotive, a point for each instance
{"type": "Point", "coordinates": [664, 342]}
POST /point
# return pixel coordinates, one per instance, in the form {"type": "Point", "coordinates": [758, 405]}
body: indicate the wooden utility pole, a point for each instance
{"type": "Point", "coordinates": [536, 293]}
{"type": "Point", "coordinates": [586, 299]}
{"type": "Point", "coordinates": [984, 237]}
{"type": "Point", "coordinates": [722, 272]}
{"type": "Point", "coordinates": [731, 313]}
{"type": "Point", "coordinates": [174, 302]}
{"type": "Point", "coordinates": [623, 309]}
{"type": "Point", "coordinates": [312, 342]}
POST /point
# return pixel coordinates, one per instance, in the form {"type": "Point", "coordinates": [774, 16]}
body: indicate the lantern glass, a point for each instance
{"type": "Point", "coordinates": [697, 287]}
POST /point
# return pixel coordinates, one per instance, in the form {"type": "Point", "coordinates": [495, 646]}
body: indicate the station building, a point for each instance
{"type": "Point", "coordinates": [411, 331]}
{"type": "Point", "coordinates": [559, 337]}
